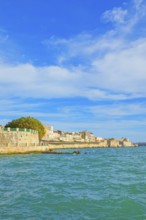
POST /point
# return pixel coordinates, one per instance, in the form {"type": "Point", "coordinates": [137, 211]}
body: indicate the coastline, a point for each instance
{"type": "Point", "coordinates": [52, 146]}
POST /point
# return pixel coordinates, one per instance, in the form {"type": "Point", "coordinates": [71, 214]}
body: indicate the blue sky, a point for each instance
{"type": "Point", "coordinates": [76, 65]}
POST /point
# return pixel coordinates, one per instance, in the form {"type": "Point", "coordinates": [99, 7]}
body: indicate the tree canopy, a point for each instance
{"type": "Point", "coordinates": [29, 123]}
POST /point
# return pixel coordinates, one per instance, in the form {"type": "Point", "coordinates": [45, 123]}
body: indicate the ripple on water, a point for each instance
{"type": "Point", "coordinates": [97, 184]}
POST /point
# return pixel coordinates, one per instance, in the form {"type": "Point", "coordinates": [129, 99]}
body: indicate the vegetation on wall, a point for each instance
{"type": "Point", "coordinates": [29, 123]}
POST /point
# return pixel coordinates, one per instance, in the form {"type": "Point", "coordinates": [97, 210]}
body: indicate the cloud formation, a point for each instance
{"type": "Point", "coordinates": [109, 66]}
{"type": "Point", "coordinates": [117, 15]}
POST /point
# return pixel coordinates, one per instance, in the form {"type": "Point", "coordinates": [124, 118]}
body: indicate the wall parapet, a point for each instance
{"type": "Point", "coordinates": [19, 130]}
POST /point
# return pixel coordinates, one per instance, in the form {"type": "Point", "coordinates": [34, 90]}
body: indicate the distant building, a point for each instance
{"type": "Point", "coordinates": [49, 133]}
{"type": "Point", "coordinates": [87, 136]}
{"type": "Point", "coordinates": [99, 138]}
{"type": "Point", "coordinates": [83, 136]}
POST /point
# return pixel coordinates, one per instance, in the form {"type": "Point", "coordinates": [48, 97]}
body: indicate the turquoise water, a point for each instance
{"type": "Point", "coordinates": [106, 184]}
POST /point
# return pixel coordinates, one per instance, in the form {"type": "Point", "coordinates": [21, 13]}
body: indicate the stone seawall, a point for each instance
{"type": "Point", "coordinates": [43, 148]}
{"type": "Point", "coordinates": [17, 138]}
{"type": "Point", "coordinates": [47, 148]}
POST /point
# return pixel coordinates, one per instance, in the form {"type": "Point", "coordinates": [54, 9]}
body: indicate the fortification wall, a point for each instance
{"type": "Point", "coordinates": [50, 146]}
{"type": "Point", "coordinates": [44, 148]}
{"type": "Point", "coordinates": [17, 137]}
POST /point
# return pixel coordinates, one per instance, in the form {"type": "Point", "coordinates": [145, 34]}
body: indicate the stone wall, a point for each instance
{"type": "Point", "coordinates": [46, 148]}
{"type": "Point", "coordinates": [16, 137]}
{"type": "Point", "coordinates": [119, 143]}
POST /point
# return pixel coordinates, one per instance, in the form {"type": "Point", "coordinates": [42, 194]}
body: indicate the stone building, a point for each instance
{"type": "Point", "coordinates": [87, 136]}
{"type": "Point", "coordinates": [49, 133]}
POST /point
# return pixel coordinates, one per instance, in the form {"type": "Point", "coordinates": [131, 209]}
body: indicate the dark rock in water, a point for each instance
{"type": "Point", "coordinates": [57, 152]}
{"type": "Point", "coordinates": [76, 152]}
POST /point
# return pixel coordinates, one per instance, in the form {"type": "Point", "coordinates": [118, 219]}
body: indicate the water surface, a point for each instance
{"type": "Point", "coordinates": [106, 184]}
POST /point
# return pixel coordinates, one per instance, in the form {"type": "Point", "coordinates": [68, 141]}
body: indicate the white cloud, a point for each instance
{"type": "Point", "coordinates": [138, 4]}
{"type": "Point", "coordinates": [124, 70]}
{"type": "Point", "coordinates": [29, 81]}
{"type": "Point", "coordinates": [116, 69]}
{"type": "Point", "coordinates": [126, 19]}
{"type": "Point", "coordinates": [116, 15]}
{"type": "Point", "coordinates": [119, 110]}
{"type": "Point", "coordinates": [119, 73]}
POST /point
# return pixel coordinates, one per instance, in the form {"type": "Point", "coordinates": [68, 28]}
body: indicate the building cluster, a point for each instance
{"type": "Point", "coordinates": [26, 137]}
{"type": "Point", "coordinates": [83, 136]}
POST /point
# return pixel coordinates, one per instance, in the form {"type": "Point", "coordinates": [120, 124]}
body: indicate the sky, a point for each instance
{"type": "Point", "coordinates": [75, 64]}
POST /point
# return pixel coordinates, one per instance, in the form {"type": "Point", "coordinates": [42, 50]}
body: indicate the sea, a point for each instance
{"type": "Point", "coordinates": [98, 183]}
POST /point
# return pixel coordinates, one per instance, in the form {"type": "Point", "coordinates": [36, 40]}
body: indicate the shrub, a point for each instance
{"type": "Point", "coordinates": [29, 123]}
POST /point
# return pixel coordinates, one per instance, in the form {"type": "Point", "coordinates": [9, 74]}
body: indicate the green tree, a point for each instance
{"type": "Point", "coordinates": [29, 123]}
